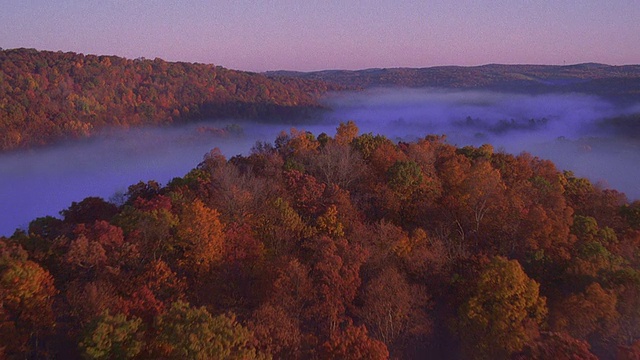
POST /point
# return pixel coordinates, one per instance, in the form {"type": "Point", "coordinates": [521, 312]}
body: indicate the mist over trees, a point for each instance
{"type": "Point", "coordinates": [344, 246]}
{"type": "Point", "coordinates": [48, 97]}
{"type": "Point", "coordinates": [320, 246]}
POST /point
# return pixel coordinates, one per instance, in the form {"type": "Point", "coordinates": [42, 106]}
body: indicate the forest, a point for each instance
{"type": "Point", "coordinates": [349, 246]}
{"type": "Point", "coordinates": [620, 84]}
{"type": "Point", "coordinates": [48, 97]}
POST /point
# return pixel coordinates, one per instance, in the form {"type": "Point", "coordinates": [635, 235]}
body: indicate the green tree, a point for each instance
{"type": "Point", "coordinates": [186, 332]}
{"type": "Point", "coordinates": [112, 337]}
{"type": "Point", "coordinates": [404, 177]}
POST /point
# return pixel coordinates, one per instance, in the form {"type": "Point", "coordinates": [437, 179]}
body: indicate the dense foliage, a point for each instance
{"type": "Point", "coordinates": [617, 83]}
{"type": "Point", "coordinates": [344, 247]}
{"type": "Point", "coordinates": [51, 96]}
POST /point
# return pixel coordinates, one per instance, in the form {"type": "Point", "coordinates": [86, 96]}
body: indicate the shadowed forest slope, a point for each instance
{"type": "Point", "coordinates": [619, 83]}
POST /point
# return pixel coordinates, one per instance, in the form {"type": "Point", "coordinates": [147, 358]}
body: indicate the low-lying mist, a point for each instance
{"type": "Point", "coordinates": [41, 182]}
{"type": "Point", "coordinates": [583, 133]}
{"type": "Point", "coordinates": [573, 130]}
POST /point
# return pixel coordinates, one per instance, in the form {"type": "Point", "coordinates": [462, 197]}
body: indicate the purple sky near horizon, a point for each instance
{"type": "Point", "coordinates": [345, 34]}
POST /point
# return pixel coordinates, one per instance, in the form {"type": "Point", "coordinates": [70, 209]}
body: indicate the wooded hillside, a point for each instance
{"type": "Point", "coordinates": [343, 247]}
{"type": "Point", "coordinates": [616, 83]}
{"type": "Point", "coordinates": [47, 97]}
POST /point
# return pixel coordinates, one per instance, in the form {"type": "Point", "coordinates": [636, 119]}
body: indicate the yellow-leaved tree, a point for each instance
{"type": "Point", "coordinates": [502, 312]}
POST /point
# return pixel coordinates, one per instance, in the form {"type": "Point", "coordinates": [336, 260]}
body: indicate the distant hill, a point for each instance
{"type": "Point", "coordinates": [617, 82]}
{"type": "Point", "coordinates": [48, 96]}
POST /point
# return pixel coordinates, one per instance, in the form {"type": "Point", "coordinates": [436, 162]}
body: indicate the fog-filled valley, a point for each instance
{"type": "Point", "coordinates": [320, 180]}
{"type": "Point", "coordinates": [577, 132]}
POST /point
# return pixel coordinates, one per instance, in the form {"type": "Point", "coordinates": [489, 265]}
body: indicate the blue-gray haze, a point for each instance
{"type": "Point", "coordinates": [569, 129]}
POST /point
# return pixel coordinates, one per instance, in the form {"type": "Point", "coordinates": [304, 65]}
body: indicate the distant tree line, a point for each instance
{"type": "Point", "coordinates": [51, 96]}
{"type": "Point", "coordinates": [616, 83]}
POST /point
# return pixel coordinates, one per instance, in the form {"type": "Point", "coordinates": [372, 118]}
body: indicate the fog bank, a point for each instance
{"type": "Point", "coordinates": [572, 130]}
{"type": "Point", "coordinates": [42, 182]}
{"type": "Point", "coordinates": [567, 129]}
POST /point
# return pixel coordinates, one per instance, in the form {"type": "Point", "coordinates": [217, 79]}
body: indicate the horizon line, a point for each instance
{"type": "Point", "coordinates": [590, 63]}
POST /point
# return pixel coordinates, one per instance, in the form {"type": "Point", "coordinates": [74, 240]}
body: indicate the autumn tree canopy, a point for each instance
{"type": "Point", "coordinates": [319, 247]}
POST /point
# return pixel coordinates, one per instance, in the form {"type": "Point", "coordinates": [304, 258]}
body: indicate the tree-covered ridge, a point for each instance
{"type": "Point", "coordinates": [614, 82]}
{"type": "Point", "coordinates": [343, 247]}
{"type": "Point", "coordinates": [50, 96]}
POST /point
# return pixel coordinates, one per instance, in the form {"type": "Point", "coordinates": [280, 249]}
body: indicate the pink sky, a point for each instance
{"type": "Point", "coordinates": [347, 34]}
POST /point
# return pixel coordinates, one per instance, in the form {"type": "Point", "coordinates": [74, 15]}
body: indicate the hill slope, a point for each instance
{"type": "Point", "coordinates": [50, 96]}
{"type": "Point", "coordinates": [46, 97]}
{"type": "Point", "coordinates": [330, 248]}
{"type": "Point", "coordinates": [611, 81]}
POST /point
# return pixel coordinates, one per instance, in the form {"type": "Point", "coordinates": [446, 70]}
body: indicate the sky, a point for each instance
{"type": "Point", "coordinates": [331, 34]}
